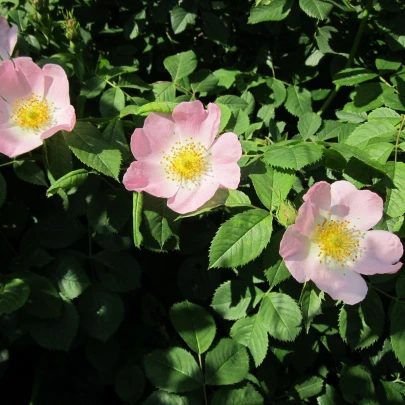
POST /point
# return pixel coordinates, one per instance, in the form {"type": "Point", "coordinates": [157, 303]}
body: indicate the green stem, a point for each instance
{"type": "Point", "coordinates": [7, 163]}
{"type": "Point", "coordinates": [352, 54]}
{"type": "Point", "coordinates": [386, 294]}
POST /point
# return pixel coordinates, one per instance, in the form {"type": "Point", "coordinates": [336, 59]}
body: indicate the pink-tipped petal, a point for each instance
{"type": "Point", "coordinates": [186, 200]}
{"type": "Point", "coordinates": [226, 149]}
{"type": "Point", "coordinates": [64, 120]}
{"type": "Point", "coordinates": [56, 85]}
{"type": "Point", "coordinates": [32, 73]}
{"type": "Point", "coordinates": [140, 146]}
{"type": "Point", "coordinates": [160, 131]}
{"type": "Point", "coordinates": [8, 38]}
{"type": "Point", "coordinates": [13, 84]}
{"type": "Point", "coordinates": [210, 126]}
{"type": "Point", "coordinates": [341, 284]}
{"type": "Point", "coordinates": [362, 208]}
{"type": "Point", "coordinates": [149, 177]}
{"type": "Point", "coordinates": [382, 251]}
{"type": "Point", "coordinates": [14, 142]}
{"type": "Point", "coordinates": [316, 205]}
{"type": "Point", "coordinates": [295, 249]}
{"type": "Point", "coordinates": [188, 117]}
{"type": "Point", "coordinates": [228, 175]}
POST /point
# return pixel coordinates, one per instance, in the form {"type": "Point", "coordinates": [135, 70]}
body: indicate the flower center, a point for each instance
{"type": "Point", "coordinates": [338, 241]}
{"type": "Point", "coordinates": [32, 112]}
{"type": "Point", "coordinates": [186, 162]}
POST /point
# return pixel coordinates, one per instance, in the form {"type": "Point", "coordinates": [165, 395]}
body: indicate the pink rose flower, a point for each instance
{"type": "Point", "coordinates": [8, 38]}
{"type": "Point", "coordinates": [330, 243]}
{"type": "Point", "coordinates": [34, 105]}
{"type": "Point", "coordinates": [179, 158]}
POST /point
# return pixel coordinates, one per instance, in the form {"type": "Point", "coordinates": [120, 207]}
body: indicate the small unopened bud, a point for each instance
{"type": "Point", "coordinates": [286, 214]}
{"type": "Point", "coordinates": [71, 27]}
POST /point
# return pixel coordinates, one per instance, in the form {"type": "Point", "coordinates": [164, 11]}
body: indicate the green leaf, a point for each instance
{"type": "Point", "coordinates": [194, 324]}
{"type": "Point", "coordinates": [166, 398]}
{"type": "Point", "coordinates": [181, 18]}
{"type": "Point", "coordinates": [241, 239]}
{"type": "Point", "coordinates": [394, 101]}
{"type": "Point", "coordinates": [309, 388]}
{"type": "Point", "coordinates": [86, 143]}
{"type": "Point", "coordinates": [361, 325]}
{"type": "Point", "coordinates": [250, 333]}
{"type": "Point", "coordinates": [234, 103]}
{"type": "Point", "coordinates": [101, 312]}
{"type": "Point", "coordinates": [395, 202]}
{"type": "Point", "coordinates": [137, 203]}
{"type": "Point", "coordinates": [294, 156]}
{"type": "Point", "coordinates": [311, 304]}
{"type": "Point", "coordinates": [397, 331]}
{"type": "Point", "coordinates": [203, 81]}
{"type": "Point", "coordinates": [225, 116]}
{"type": "Point", "coordinates": [14, 293]}
{"type": "Point", "coordinates": [180, 65]}
{"type": "Point", "coordinates": [277, 273]}
{"type": "Point", "coordinates": [298, 101]}
{"type": "Point", "coordinates": [316, 8]}
{"type": "Point", "coordinates": [273, 186]}
{"type": "Point", "coordinates": [159, 219]}
{"type": "Point", "coordinates": [330, 397]}
{"type": "Point", "coordinates": [165, 92]}
{"type": "Point", "coordinates": [352, 76]}
{"type": "Point", "coordinates": [351, 151]}
{"type": "Point", "coordinates": [242, 396]}
{"type": "Point", "coordinates": [30, 172]}
{"type": "Point", "coordinates": [114, 135]}
{"type": "Point", "coordinates": [385, 115]}
{"type": "Point", "coordinates": [234, 299]}
{"type": "Point", "coordinates": [112, 102]}
{"type": "Point", "coordinates": [277, 10]}
{"type": "Point", "coordinates": [281, 316]}
{"type": "Point", "coordinates": [388, 63]}
{"type": "Point", "coordinates": [227, 363]}
{"type": "Point", "coordinates": [93, 87]}
{"type": "Point", "coordinates": [129, 383]}
{"type": "Point", "coordinates": [371, 132]}
{"type": "Point", "coordinates": [58, 157]}
{"type": "Point", "coordinates": [121, 272]}
{"type": "Point", "coordinates": [56, 333]}
{"type": "Point", "coordinates": [44, 300]}
{"type": "Point", "coordinates": [308, 124]}
{"type": "Point", "coordinates": [174, 370]}
{"type": "Point", "coordinates": [357, 386]}
{"type": "Point", "coordinates": [68, 181]}
{"type": "Point", "coordinates": [164, 107]}
{"type": "Point", "coordinates": [71, 277]}
{"type": "Point", "coordinates": [239, 122]}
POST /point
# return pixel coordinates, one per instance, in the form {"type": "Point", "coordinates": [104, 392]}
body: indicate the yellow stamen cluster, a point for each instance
{"type": "Point", "coordinates": [32, 112]}
{"type": "Point", "coordinates": [186, 162]}
{"type": "Point", "coordinates": [337, 241]}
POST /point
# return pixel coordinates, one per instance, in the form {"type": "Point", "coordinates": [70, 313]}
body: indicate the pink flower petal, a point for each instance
{"type": "Point", "coordinates": [32, 73]}
{"type": "Point", "coordinates": [228, 175]}
{"type": "Point", "coordinates": [381, 249]}
{"type": "Point", "coordinates": [341, 284]}
{"type": "Point", "coordinates": [4, 113]}
{"type": "Point", "coordinates": [160, 131]}
{"type": "Point", "coordinates": [362, 208]}
{"type": "Point", "coordinates": [226, 149]}
{"type": "Point", "coordinates": [295, 250]}
{"type": "Point", "coordinates": [14, 141]}
{"type": "Point", "coordinates": [149, 177]}
{"type": "Point", "coordinates": [8, 38]}
{"type": "Point", "coordinates": [315, 207]}
{"type": "Point", "coordinates": [210, 126]}
{"type": "Point", "coordinates": [140, 146]}
{"type": "Point", "coordinates": [186, 200]}
{"type": "Point", "coordinates": [64, 120]}
{"type": "Point", "coordinates": [188, 117]}
{"type": "Point", "coordinates": [13, 84]}
{"type": "Point", "coordinates": [56, 85]}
